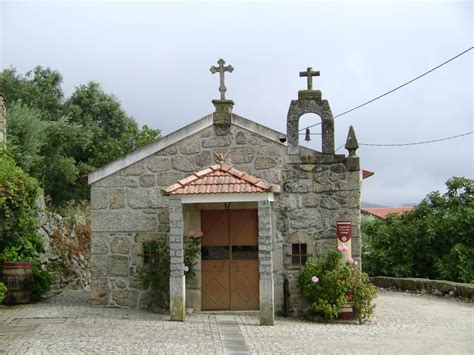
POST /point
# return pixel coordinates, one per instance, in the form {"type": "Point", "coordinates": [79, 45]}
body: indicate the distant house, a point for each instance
{"type": "Point", "coordinates": [383, 212]}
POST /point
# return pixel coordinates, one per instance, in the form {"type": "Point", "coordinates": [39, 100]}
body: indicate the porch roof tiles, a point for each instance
{"type": "Point", "coordinates": [218, 179]}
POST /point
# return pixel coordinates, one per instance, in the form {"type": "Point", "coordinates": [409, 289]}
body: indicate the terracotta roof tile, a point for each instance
{"type": "Point", "coordinates": [220, 178]}
{"type": "Point", "coordinates": [203, 172]}
{"type": "Point", "coordinates": [187, 180]}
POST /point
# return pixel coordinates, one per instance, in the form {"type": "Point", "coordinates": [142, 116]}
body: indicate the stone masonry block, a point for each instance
{"type": "Point", "coordinates": [99, 291]}
{"type": "Point", "coordinates": [145, 198]}
{"type": "Point", "coordinates": [99, 243]}
{"type": "Point", "coordinates": [147, 180]}
{"type": "Point", "coordinates": [135, 169]}
{"type": "Point", "coordinates": [158, 164]}
{"type": "Point", "coordinates": [120, 245]}
{"type": "Point", "coordinates": [117, 198]}
{"type": "Point", "coordinates": [126, 298]}
{"type": "Point", "coordinates": [99, 198]}
{"type": "Point", "coordinates": [117, 221]}
{"type": "Point", "coordinates": [107, 266]}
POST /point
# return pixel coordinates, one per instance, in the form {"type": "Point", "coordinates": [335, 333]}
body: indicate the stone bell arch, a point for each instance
{"type": "Point", "coordinates": [310, 101]}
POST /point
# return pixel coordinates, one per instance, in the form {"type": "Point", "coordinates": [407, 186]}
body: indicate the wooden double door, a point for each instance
{"type": "Point", "coordinates": [229, 260]}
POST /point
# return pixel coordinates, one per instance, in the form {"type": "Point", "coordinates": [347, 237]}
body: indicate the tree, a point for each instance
{"type": "Point", "coordinates": [60, 141]}
{"type": "Point", "coordinates": [436, 240]}
{"type": "Point", "coordinates": [40, 88]}
{"type": "Point", "coordinates": [26, 131]}
{"type": "Point", "coordinates": [110, 127]}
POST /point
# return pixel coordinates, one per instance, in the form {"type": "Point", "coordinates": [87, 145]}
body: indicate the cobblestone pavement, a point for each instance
{"type": "Point", "coordinates": [404, 323]}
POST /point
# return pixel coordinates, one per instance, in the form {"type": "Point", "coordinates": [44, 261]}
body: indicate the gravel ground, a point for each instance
{"type": "Point", "coordinates": [404, 323]}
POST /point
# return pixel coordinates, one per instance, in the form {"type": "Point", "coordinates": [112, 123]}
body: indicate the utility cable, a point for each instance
{"type": "Point", "coordinates": [413, 143]}
{"type": "Point", "coordinates": [397, 88]}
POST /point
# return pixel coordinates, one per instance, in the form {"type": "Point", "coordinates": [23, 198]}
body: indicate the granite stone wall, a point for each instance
{"type": "Point", "coordinates": [129, 209]}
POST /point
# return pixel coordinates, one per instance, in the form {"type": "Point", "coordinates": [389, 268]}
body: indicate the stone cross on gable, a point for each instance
{"type": "Point", "coordinates": [221, 69]}
{"type": "Point", "coordinates": [309, 73]}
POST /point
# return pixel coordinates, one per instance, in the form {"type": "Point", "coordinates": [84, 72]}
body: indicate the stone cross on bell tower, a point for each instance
{"type": "Point", "coordinates": [309, 73]}
{"type": "Point", "coordinates": [222, 117]}
{"type": "Point", "coordinates": [221, 69]}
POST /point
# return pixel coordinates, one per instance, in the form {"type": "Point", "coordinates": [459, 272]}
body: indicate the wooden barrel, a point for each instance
{"type": "Point", "coordinates": [18, 278]}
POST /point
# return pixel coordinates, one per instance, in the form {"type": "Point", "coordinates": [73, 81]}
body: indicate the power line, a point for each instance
{"type": "Point", "coordinates": [413, 143]}
{"type": "Point", "coordinates": [398, 87]}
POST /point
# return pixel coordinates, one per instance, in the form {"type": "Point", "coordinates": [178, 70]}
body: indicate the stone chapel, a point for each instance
{"type": "Point", "coordinates": [263, 202]}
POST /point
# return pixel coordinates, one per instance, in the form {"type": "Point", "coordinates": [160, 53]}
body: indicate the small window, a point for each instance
{"type": "Point", "coordinates": [299, 254]}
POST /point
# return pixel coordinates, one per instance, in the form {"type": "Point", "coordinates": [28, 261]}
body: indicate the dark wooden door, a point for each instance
{"type": "Point", "coordinates": [229, 257]}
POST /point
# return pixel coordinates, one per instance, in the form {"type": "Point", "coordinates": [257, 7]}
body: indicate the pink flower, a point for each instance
{"type": "Point", "coordinates": [191, 233]}
{"type": "Point", "coordinates": [315, 279]}
{"type": "Point", "coordinates": [199, 234]}
{"type": "Point", "coordinates": [351, 261]}
{"type": "Point", "coordinates": [342, 247]}
{"type": "Point", "coordinates": [186, 268]}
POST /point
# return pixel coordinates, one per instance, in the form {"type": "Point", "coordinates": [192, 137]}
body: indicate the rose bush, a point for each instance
{"type": "Point", "coordinates": [327, 286]}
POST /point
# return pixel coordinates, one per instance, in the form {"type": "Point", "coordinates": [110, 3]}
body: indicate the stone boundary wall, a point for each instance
{"type": "Point", "coordinates": [435, 287]}
{"type": "Point", "coordinates": [66, 249]}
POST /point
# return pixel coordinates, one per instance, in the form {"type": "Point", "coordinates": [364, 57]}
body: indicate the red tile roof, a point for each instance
{"type": "Point", "coordinates": [220, 179]}
{"type": "Point", "coordinates": [383, 212]}
{"type": "Point", "coordinates": [367, 173]}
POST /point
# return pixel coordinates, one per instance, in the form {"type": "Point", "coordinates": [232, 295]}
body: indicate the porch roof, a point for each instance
{"type": "Point", "coordinates": [220, 178]}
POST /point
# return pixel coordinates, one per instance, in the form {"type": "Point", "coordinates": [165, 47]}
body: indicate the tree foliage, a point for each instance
{"type": "Point", "coordinates": [60, 140]}
{"type": "Point", "coordinates": [435, 241]}
{"type": "Point", "coordinates": [19, 239]}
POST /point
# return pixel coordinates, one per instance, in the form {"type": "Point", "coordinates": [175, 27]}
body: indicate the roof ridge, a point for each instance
{"type": "Point", "coordinates": [240, 179]}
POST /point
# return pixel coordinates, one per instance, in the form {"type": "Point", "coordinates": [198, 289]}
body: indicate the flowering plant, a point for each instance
{"type": "Point", "coordinates": [342, 247]}
{"type": "Point", "coordinates": [327, 286]}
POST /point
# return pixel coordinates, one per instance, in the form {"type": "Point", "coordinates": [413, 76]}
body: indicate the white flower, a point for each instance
{"type": "Point", "coordinates": [186, 268]}
{"type": "Point", "coordinates": [315, 279]}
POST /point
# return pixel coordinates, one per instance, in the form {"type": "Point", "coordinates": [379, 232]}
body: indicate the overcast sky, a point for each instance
{"type": "Point", "coordinates": [155, 58]}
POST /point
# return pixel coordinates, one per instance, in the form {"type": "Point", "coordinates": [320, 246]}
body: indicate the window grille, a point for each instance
{"type": "Point", "coordinates": [299, 254]}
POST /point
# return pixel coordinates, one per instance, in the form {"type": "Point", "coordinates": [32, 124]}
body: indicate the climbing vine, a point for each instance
{"type": "Point", "coordinates": [155, 273]}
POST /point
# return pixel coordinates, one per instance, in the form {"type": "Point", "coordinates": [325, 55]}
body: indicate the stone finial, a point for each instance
{"type": "Point", "coordinates": [351, 143]}
{"type": "Point", "coordinates": [221, 69]}
{"type": "Point", "coordinates": [3, 122]}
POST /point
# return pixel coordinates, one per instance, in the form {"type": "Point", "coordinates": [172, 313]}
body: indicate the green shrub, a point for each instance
{"type": "Point", "coordinates": [156, 273]}
{"type": "Point", "coordinates": [434, 241]}
{"type": "Point", "coordinates": [19, 240]}
{"type": "Point", "coordinates": [18, 194]}
{"type": "Point", "coordinates": [3, 291]}
{"type": "Point", "coordinates": [325, 285]}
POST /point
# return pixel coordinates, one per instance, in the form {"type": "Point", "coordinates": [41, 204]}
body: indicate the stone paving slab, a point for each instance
{"type": "Point", "coordinates": [66, 324]}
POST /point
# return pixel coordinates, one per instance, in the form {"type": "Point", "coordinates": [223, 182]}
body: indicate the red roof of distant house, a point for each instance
{"type": "Point", "coordinates": [220, 178]}
{"type": "Point", "coordinates": [367, 173]}
{"type": "Point", "coordinates": [383, 212]}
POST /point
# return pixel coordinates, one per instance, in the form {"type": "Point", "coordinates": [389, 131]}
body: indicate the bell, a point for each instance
{"type": "Point", "coordinates": [307, 137]}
